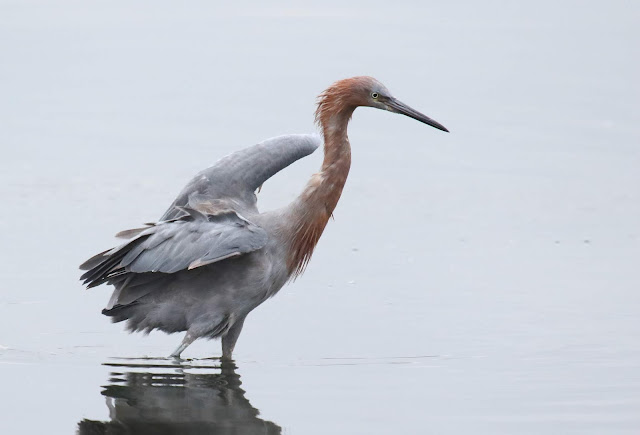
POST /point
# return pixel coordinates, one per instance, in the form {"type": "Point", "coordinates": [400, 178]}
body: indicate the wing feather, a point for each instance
{"type": "Point", "coordinates": [201, 227]}
{"type": "Point", "coordinates": [234, 178]}
{"type": "Point", "coordinates": [190, 241]}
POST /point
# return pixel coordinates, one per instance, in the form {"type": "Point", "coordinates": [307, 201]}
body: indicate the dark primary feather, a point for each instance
{"type": "Point", "coordinates": [190, 241]}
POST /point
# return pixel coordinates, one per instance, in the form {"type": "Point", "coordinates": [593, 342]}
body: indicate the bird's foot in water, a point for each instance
{"type": "Point", "coordinates": [186, 341]}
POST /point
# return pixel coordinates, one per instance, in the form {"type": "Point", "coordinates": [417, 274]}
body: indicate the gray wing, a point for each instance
{"type": "Point", "coordinates": [191, 241]}
{"type": "Point", "coordinates": [235, 178]}
{"type": "Point", "coordinates": [202, 226]}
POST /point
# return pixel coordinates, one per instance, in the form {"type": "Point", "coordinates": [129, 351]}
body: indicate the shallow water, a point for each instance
{"type": "Point", "coordinates": [484, 281]}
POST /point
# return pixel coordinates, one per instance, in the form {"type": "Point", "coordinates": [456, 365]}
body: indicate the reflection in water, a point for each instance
{"type": "Point", "coordinates": [158, 399]}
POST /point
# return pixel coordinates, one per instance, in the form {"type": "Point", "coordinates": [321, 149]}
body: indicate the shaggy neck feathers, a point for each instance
{"type": "Point", "coordinates": [315, 205]}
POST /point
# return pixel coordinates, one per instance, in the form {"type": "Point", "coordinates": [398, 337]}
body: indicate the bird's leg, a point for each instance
{"type": "Point", "coordinates": [186, 341]}
{"type": "Point", "coordinates": [230, 338]}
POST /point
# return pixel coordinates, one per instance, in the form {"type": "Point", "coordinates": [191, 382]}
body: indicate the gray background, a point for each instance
{"type": "Point", "coordinates": [480, 281]}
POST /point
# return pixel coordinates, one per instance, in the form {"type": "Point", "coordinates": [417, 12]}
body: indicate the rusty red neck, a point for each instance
{"type": "Point", "coordinates": [315, 205]}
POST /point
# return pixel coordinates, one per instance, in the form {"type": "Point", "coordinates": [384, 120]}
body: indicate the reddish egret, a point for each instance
{"type": "Point", "coordinates": [213, 257]}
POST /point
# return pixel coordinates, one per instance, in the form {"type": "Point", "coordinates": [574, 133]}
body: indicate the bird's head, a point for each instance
{"type": "Point", "coordinates": [344, 96]}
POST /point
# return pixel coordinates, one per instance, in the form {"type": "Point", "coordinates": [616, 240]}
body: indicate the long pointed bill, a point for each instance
{"type": "Point", "coordinates": [399, 107]}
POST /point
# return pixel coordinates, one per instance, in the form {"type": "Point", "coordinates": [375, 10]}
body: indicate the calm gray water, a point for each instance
{"type": "Point", "coordinates": [484, 281]}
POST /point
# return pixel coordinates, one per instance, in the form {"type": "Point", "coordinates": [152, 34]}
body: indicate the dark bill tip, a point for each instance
{"type": "Point", "coordinates": [399, 107]}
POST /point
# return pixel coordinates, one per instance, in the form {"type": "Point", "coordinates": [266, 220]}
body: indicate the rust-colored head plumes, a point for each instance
{"type": "Point", "coordinates": [342, 97]}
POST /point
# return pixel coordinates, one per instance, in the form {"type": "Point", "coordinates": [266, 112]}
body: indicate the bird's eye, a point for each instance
{"type": "Point", "coordinates": [374, 95]}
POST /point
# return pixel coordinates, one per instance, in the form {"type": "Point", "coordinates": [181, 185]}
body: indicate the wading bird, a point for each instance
{"type": "Point", "coordinates": [213, 257]}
